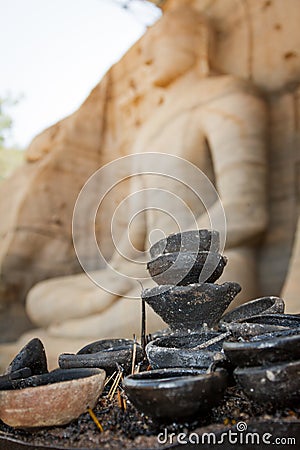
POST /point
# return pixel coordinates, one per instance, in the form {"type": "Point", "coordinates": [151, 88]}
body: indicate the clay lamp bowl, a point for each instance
{"type": "Point", "coordinates": [54, 398]}
{"type": "Point", "coordinates": [195, 350]}
{"type": "Point", "coordinates": [175, 394]}
{"type": "Point", "coordinates": [31, 360]}
{"type": "Point", "coordinates": [264, 349]}
{"type": "Point", "coordinates": [187, 241]}
{"type": "Point", "coordinates": [187, 267]}
{"type": "Point", "coordinates": [106, 354]}
{"type": "Point", "coordinates": [278, 384]}
{"type": "Point", "coordinates": [280, 320]}
{"type": "Point", "coordinates": [257, 307]}
{"type": "Point", "coordinates": [187, 308]}
{"type": "Point", "coordinates": [267, 323]}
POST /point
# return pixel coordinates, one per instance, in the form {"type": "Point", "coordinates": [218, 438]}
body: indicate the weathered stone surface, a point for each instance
{"type": "Point", "coordinates": [266, 31]}
{"type": "Point", "coordinates": [149, 87]}
{"type": "Point", "coordinates": [36, 234]}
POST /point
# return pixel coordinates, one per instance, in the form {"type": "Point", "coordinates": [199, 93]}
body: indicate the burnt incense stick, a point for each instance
{"type": "Point", "coordinates": [212, 341]}
{"type": "Point", "coordinates": [133, 355]}
{"type": "Point", "coordinates": [143, 326]}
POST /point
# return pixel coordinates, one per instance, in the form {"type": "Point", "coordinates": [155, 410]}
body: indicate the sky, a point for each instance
{"type": "Point", "coordinates": [53, 52]}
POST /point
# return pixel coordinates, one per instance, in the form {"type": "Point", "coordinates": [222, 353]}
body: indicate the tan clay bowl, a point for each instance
{"type": "Point", "coordinates": [57, 403]}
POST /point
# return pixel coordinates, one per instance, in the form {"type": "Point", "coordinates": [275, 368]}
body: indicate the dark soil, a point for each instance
{"type": "Point", "coordinates": [129, 429]}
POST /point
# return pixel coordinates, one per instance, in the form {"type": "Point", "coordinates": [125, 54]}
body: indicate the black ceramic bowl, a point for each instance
{"type": "Point", "coordinates": [282, 320]}
{"type": "Point", "coordinates": [278, 384]}
{"type": "Point", "coordinates": [182, 351]}
{"type": "Point", "coordinates": [33, 356]}
{"type": "Point", "coordinates": [187, 308]}
{"type": "Point", "coordinates": [257, 307]}
{"type": "Point", "coordinates": [266, 323]}
{"type": "Point", "coordinates": [187, 241]}
{"type": "Point", "coordinates": [7, 381]}
{"type": "Point", "coordinates": [186, 268]}
{"type": "Point", "coordinates": [104, 354]}
{"type": "Point", "coordinates": [175, 394]}
{"type": "Point", "coordinates": [264, 349]}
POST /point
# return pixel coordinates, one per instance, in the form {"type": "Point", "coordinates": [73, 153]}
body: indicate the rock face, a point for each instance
{"type": "Point", "coordinates": [259, 41]}
{"type": "Point", "coordinates": [10, 159]}
{"type": "Point", "coordinates": [38, 201]}
{"type": "Point", "coordinates": [167, 95]}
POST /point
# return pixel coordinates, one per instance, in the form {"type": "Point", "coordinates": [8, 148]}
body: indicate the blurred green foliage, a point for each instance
{"type": "Point", "coordinates": [5, 118]}
{"type": "Point", "coordinates": [10, 158]}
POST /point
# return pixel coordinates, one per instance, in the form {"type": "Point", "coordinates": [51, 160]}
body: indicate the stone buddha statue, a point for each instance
{"type": "Point", "coordinates": [172, 97]}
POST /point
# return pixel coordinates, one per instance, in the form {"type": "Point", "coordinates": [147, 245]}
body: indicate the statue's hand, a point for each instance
{"type": "Point", "coordinates": [121, 319]}
{"type": "Point", "coordinates": [73, 297]}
